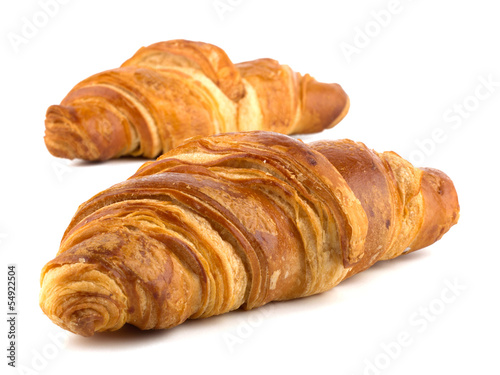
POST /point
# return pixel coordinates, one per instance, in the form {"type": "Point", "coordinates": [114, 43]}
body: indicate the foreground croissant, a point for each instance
{"type": "Point", "coordinates": [238, 220]}
{"type": "Point", "coordinates": [174, 90]}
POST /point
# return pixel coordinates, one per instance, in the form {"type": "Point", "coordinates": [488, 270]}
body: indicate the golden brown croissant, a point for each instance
{"type": "Point", "coordinates": [238, 220]}
{"type": "Point", "coordinates": [173, 90]}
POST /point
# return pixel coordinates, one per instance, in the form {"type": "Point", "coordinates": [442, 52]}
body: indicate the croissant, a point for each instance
{"type": "Point", "coordinates": [236, 221]}
{"type": "Point", "coordinates": [173, 90]}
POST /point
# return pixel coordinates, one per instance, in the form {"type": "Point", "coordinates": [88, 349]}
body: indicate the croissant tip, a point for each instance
{"type": "Point", "coordinates": [84, 322]}
{"type": "Point", "coordinates": [324, 105]}
{"type": "Point", "coordinates": [61, 131]}
{"type": "Point", "coordinates": [343, 113]}
{"type": "Point", "coordinates": [66, 137]}
{"type": "Point", "coordinates": [442, 207]}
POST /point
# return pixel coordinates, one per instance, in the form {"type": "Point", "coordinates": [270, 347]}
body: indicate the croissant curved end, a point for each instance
{"type": "Point", "coordinates": [63, 137]}
{"type": "Point", "coordinates": [442, 209]}
{"type": "Point", "coordinates": [84, 322]}
{"type": "Point", "coordinates": [87, 131]}
{"type": "Point", "coordinates": [82, 300]}
{"type": "Point", "coordinates": [324, 105]}
{"type": "Point", "coordinates": [344, 103]}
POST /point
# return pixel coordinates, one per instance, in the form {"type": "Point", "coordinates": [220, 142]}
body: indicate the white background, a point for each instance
{"type": "Point", "coordinates": [405, 80]}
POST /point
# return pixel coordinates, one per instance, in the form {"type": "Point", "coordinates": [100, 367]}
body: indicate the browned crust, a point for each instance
{"type": "Point", "coordinates": [238, 220]}
{"type": "Point", "coordinates": [442, 208]}
{"type": "Point", "coordinates": [174, 90]}
{"type": "Point", "coordinates": [209, 59]}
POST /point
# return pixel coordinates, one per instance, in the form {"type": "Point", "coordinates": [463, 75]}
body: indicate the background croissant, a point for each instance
{"type": "Point", "coordinates": [238, 220]}
{"type": "Point", "coordinates": [173, 90]}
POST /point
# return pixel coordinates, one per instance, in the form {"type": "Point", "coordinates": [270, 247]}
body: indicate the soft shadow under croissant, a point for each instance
{"type": "Point", "coordinates": [237, 221]}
